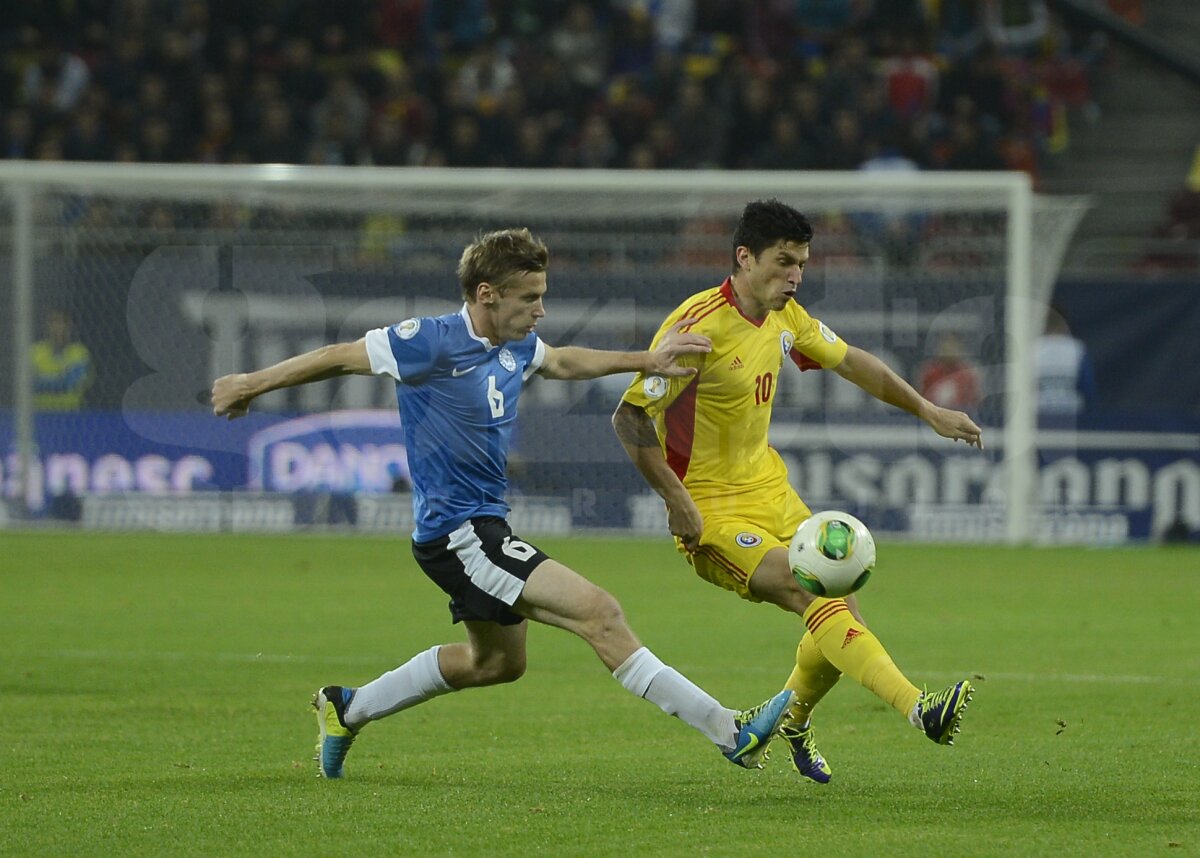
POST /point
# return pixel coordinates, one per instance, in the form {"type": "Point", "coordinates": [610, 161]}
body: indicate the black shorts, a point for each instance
{"type": "Point", "coordinates": [482, 567]}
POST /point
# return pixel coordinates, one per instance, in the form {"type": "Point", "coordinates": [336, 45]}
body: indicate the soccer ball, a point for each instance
{"type": "Point", "coordinates": [832, 554]}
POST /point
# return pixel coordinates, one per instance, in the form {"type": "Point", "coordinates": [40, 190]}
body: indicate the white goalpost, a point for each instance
{"type": "Point", "coordinates": [173, 273]}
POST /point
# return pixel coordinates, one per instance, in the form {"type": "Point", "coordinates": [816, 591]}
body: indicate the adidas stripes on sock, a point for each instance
{"type": "Point", "coordinates": [853, 649]}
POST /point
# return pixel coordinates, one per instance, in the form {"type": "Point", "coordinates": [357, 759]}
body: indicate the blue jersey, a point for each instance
{"type": "Point", "coordinates": [457, 394]}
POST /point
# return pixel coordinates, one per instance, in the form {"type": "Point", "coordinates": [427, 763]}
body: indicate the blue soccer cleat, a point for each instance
{"type": "Point", "coordinates": [806, 759]}
{"type": "Point", "coordinates": [939, 713]}
{"type": "Point", "coordinates": [756, 728]}
{"type": "Point", "coordinates": [335, 737]}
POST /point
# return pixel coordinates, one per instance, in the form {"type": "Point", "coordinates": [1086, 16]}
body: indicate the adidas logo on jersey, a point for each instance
{"type": "Point", "coordinates": [736, 363]}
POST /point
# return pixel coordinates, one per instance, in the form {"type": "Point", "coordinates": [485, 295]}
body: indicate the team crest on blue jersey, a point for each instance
{"type": "Point", "coordinates": [507, 360]}
{"type": "Point", "coordinates": [786, 340]}
{"type": "Point", "coordinates": [407, 329]}
{"type": "Point", "coordinates": [748, 540]}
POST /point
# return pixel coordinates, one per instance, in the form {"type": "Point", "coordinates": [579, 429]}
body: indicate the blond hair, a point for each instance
{"type": "Point", "coordinates": [499, 257]}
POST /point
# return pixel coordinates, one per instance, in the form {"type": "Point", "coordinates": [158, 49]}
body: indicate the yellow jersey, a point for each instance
{"type": "Point", "coordinates": [713, 425]}
{"type": "Point", "coordinates": [60, 376]}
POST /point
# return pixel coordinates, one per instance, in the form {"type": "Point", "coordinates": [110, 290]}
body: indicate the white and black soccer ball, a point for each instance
{"type": "Point", "coordinates": [832, 554]}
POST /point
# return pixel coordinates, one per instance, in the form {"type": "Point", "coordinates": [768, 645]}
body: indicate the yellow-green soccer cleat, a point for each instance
{"type": "Point", "coordinates": [806, 759]}
{"type": "Point", "coordinates": [756, 728]}
{"type": "Point", "coordinates": [939, 713]}
{"type": "Point", "coordinates": [335, 737]}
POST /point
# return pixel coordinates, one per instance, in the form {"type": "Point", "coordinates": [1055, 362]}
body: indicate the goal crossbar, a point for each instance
{"type": "Point", "coordinates": [667, 192]}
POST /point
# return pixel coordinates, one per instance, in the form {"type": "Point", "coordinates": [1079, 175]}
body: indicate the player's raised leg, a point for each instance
{"type": "Point", "coordinates": [846, 642]}
{"type": "Point", "coordinates": [557, 596]}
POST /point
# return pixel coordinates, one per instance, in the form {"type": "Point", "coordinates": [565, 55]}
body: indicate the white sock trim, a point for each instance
{"type": "Point", "coordinates": [637, 672]}
{"type": "Point", "coordinates": [646, 676]}
{"type": "Point", "coordinates": [417, 680]}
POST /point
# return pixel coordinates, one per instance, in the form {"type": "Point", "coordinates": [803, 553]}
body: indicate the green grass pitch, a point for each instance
{"type": "Point", "coordinates": [155, 694]}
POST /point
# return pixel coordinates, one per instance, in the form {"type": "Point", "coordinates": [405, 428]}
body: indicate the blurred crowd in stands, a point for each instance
{"type": "Point", "coordinates": [1177, 234]}
{"type": "Point", "coordinates": [766, 84]}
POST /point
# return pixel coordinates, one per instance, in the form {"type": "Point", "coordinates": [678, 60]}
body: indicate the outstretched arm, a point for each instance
{"type": "Point", "coordinates": [572, 362]}
{"type": "Point", "coordinates": [636, 431]}
{"type": "Point", "coordinates": [232, 394]}
{"type": "Point", "coordinates": [878, 379]}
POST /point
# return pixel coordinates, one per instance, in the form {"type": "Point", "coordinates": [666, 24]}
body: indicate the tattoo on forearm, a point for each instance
{"type": "Point", "coordinates": [634, 427]}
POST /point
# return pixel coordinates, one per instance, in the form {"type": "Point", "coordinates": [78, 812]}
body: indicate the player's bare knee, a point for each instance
{"type": "Point", "coordinates": [774, 582]}
{"type": "Point", "coordinates": [604, 616]}
{"type": "Point", "coordinates": [798, 600]}
{"type": "Point", "coordinates": [499, 668]}
{"type": "Point", "coordinates": [784, 593]}
{"type": "Point", "coordinates": [507, 671]}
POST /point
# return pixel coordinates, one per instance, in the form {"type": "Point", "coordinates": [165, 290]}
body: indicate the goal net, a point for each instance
{"type": "Point", "coordinates": [170, 276]}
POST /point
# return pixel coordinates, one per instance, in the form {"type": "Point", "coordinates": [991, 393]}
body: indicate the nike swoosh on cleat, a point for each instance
{"type": "Point", "coordinates": [753, 744]}
{"type": "Point", "coordinates": [456, 372]}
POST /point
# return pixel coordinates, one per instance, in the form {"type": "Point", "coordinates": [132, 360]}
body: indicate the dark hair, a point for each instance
{"type": "Point", "coordinates": [498, 257]}
{"type": "Point", "coordinates": [765, 222]}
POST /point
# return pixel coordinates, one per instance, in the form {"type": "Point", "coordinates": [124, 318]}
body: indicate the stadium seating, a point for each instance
{"type": "Point", "coordinates": [947, 85]}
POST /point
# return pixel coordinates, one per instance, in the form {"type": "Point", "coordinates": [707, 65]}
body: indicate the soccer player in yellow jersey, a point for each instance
{"type": "Point", "coordinates": [701, 443]}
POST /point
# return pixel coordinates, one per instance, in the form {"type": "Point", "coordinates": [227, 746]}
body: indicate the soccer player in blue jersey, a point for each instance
{"type": "Point", "coordinates": [458, 378]}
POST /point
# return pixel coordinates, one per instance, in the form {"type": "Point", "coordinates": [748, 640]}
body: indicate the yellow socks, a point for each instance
{"type": "Point", "coordinates": [812, 676]}
{"type": "Point", "coordinates": [849, 646]}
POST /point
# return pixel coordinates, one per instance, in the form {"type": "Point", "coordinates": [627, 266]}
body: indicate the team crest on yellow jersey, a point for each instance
{"type": "Point", "coordinates": [748, 540]}
{"type": "Point", "coordinates": [786, 340]}
{"type": "Point", "coordinates": [655, 386]}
